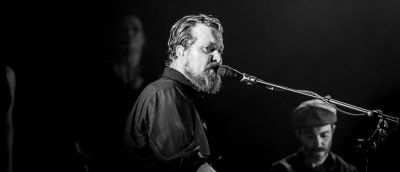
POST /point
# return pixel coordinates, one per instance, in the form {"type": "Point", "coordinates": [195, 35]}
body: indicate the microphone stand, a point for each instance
{"type": "Point", "coordinates": [252, 80]}
{"type": "Point", "coordinates": [368, 145]}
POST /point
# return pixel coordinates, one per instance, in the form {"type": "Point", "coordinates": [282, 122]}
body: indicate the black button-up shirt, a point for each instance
{"type": "Point", "coordinates": [164, 131]}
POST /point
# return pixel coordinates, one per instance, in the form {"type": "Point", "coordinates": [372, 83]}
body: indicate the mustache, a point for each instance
{"type": "Point", "coordinates": [319, 149]}
{"type": "Point", "coordinates": [213, 65]}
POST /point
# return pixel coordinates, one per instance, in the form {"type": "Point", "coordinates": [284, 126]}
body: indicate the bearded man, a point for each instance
{"type": "Point", "coordinates": [164, 130]}
{"type": "Point", "coordinates": [314, 122]}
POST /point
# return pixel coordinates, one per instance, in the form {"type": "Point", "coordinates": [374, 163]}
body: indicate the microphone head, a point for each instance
{"type": "Point", "coordinates": [228, 72]}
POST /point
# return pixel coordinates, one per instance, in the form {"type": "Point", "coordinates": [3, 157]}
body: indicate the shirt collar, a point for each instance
{"type": "Point", "coordinates": [177, 76]}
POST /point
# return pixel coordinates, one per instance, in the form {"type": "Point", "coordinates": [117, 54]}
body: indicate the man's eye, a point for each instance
{"type": "Point", "coordinates": [324, 135]}
{"type": "Point", "coordinates": [209, 49]}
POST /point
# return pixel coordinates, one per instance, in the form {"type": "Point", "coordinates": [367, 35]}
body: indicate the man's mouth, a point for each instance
{"type": "Point", "coordinates": [318, 151]}
{"type": "Point", "coordinates": [212, 66]}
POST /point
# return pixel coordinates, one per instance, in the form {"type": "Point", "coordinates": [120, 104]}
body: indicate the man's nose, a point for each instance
{"type": "Point", "coordinates": [319, 142]}
{"type": "Point", "coordinates": [216, 57]}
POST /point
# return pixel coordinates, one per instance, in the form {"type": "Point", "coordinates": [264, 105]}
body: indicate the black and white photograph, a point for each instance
{"type": "Point", "coordinates": [200, 86]}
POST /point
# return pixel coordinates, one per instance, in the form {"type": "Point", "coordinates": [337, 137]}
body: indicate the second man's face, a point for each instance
{"type": "Point", "coordinates": [204, 57]}
{"type": "Point", "coordinates": [316, 141]}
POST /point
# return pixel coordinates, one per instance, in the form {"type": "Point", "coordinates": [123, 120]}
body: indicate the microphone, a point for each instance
{"type": "Point", "coordinates": [229, 72]}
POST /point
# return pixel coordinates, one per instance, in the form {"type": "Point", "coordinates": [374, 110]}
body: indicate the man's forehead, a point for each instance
{"type": "Point", "coordinates": [207, 33]}
{"type": "Point", "coordinates": [217, 35]}
{"type": "Point", "coordinates": [318, 129]}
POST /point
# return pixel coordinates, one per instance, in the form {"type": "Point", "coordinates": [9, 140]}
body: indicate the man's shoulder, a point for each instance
{"type": "Point", "coordinates": [161, 86]}
{"type": "Point", "coordinates": [289, 158]}
{"type": "Point", "coordinates": [284, 164]}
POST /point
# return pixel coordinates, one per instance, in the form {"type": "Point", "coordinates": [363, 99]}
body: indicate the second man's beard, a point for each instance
{"type": "Point", "coordinates": [208, 81]}
{"type": "Point", "coordinates": [316, 155]}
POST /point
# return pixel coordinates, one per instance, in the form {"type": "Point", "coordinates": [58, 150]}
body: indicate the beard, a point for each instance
{"type": "Point", "coordinates": [317, 154]}
{"type": "Point", "coordinates": [208, 81]}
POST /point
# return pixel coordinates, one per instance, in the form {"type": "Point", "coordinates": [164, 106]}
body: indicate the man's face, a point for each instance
{"type": "Point", "coordinates": [316, 141]}
{"type": "Point", "coordinates": [203, 59]}
{"type": "Point", "coordinates": [132, 40]}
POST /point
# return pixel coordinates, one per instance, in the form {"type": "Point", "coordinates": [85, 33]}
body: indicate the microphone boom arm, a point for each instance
{"type": "Point", "coordinates": [252, 80]}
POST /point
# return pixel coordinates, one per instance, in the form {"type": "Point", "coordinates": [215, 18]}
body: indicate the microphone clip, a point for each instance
{"type": "Point", "coordinates": [248, 79]}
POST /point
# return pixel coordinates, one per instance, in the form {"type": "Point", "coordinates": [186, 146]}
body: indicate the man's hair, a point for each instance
{"type": "Point", "coordinates": [181, 32]}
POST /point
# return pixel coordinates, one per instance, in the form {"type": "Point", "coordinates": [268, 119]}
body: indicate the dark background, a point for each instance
{"type": "Point", "coordinates": [348, 49]}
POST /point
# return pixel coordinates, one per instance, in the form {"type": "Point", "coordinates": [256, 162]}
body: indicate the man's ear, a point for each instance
{"type": "Point", "coordinates": [180, 51]}
{"type": "Point", "coordinates": [333, 128]}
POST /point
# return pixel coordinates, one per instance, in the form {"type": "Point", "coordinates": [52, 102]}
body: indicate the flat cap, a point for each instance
{"type": "Point", "coordinates": [313, 113]}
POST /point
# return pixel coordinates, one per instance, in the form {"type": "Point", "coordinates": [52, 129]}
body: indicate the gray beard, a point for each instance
{"type": "Point", "coordinates": [208, 82]}
{"type": "Point", "coordinates": [313, 158]}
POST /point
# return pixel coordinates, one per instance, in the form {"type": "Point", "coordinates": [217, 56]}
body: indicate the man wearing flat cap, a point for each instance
{"type": "Point", "coordinates": [314, 124]}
